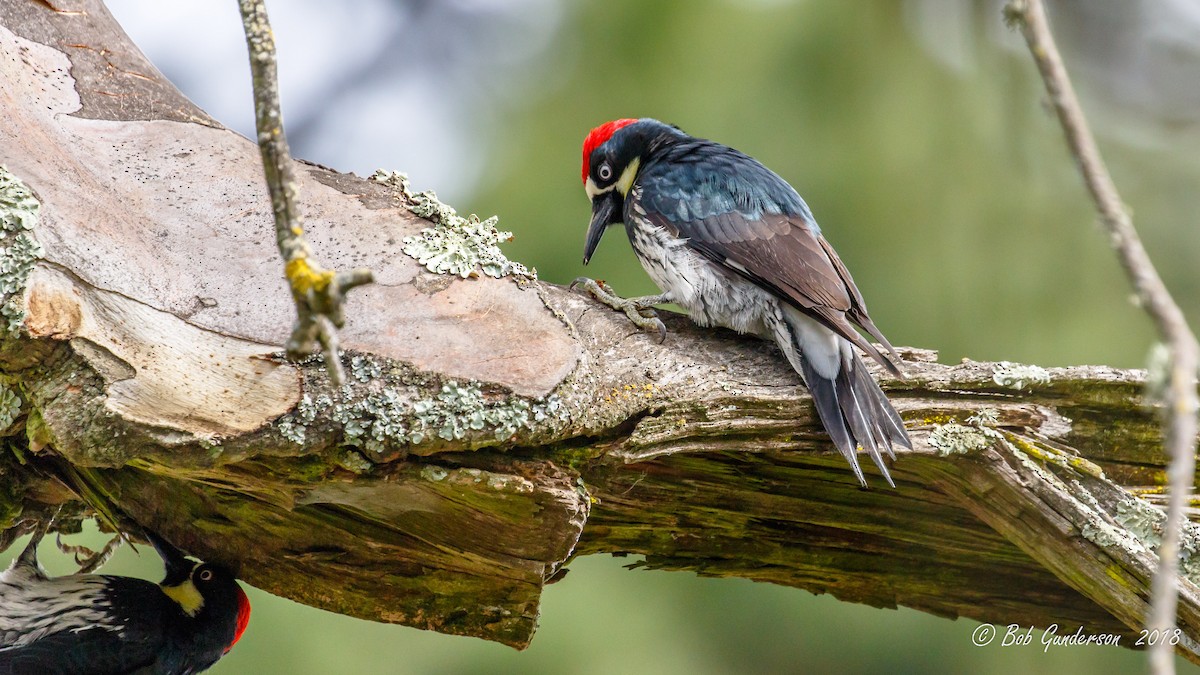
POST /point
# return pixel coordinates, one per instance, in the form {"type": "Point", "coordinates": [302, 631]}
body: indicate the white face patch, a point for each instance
{"type": "Point", "coordinates": [593, 191]}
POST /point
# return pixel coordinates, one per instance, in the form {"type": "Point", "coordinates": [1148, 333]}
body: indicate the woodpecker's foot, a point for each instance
{"type": "Point", "coordinates": [88, 560]}
{"type": "Point", "coordinates": [637, 309]}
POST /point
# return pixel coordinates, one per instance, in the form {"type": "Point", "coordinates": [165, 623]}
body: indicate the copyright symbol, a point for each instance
{"type": "Point", "coordinates": [983, 635]}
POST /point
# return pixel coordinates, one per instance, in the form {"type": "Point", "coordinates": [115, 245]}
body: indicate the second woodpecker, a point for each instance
{"type": "Point", "coordinates": [97, 624]}
{"type": "Point", "coordinates": [733, 244]}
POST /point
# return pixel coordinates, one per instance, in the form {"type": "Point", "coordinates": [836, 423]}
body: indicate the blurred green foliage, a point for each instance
{"type": "Point", "coordinates": [950, 197]}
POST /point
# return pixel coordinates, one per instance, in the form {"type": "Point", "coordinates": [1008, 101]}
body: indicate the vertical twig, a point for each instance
{"type": "Point", "coordinates": [317, 292]}
{"type": "Point", "coordinates": [1180, 396]}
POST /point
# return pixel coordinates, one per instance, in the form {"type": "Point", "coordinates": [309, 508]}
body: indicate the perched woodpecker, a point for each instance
{"type": "Point", "coordinates": [733, 244]}
{"type": "Point", "coordinates": [101, 624]}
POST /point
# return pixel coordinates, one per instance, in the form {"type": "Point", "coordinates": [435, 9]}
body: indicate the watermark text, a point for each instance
{"type": "Point", "coordinates": [1014, 635]}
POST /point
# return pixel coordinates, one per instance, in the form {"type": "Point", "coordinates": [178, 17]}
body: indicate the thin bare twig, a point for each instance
{"type": "Point", "coordinates": [317, 292]}
{"type": "Point", "coordinates": [1180, 397]}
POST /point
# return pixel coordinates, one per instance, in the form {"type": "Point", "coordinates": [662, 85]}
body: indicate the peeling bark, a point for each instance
{"type": "Point", "coordinates": [491, 429]}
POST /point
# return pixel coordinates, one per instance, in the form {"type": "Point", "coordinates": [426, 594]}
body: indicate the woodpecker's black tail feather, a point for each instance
{"type": "Point", "coordinates": [856, 413]}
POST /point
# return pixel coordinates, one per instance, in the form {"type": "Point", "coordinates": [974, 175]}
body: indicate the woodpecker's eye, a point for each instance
{"type": "Point", "coordinates": [206, 575]}
{"type": "Point", "coordinates": [605, 172]}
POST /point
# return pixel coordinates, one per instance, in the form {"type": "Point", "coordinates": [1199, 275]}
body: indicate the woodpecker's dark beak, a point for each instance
{"type": "Point", "coordinates": [178, 567]}
{"type": "Point", "coordinates": [606, 210]}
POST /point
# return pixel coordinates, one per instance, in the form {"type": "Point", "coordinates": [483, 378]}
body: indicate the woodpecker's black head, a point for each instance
{"type": "Point", "coordinates": [612, 155]}
{"type": "Point", "coordinates": [215, 609]}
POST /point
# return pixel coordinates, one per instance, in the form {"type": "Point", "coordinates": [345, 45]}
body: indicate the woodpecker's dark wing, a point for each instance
{"type": "Point", "coordinates": [744, 217]}
{"type": "Point", "coordinates": [92, 650]}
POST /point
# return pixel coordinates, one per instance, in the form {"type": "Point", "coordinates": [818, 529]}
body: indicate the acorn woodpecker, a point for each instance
{"type": "Point", "coordinates": [734, 245]}
{"type": "Point", "coordinates": [96, 623]}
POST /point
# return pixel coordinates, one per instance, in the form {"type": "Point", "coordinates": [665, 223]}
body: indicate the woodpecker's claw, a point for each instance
{"type": "Point", "coordinates": [637, 309]}
{"type": "Point", "coordinates": [88, 560]}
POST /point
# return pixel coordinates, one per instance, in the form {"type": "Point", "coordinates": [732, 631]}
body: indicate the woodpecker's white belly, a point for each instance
{"type": "Point", "coordinates": [710, 295]}
{"type": "Point", "coordinates": [713, 296]}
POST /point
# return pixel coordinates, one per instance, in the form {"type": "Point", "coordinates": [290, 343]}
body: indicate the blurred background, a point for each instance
{"type": "Point", "coordinates": [916, 132]}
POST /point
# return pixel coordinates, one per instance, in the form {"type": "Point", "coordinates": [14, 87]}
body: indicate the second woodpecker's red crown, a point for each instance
{"type": "Point", "coordinates": [597, 137]}
{"type": "Point", "coordinates": [243, 617]}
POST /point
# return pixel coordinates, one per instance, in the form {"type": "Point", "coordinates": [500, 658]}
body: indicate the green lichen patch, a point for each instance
{"type": "Point", "coordinates": [459, 408]}
{"type": "Point", "coordinates": [383, 410]}
{"type": "Point", "coordinates": [434, 474]}
{"type": "Point", "coordinates": [353, 461]}
{"type": "Point", "coordinates": [1051, 455]}
{"type": "Point", "coordinates": [1017, 375]}
{"type": "Point", "coordinates": [976, 435]}
{"type": "Point", "coordinates": [10, 407]}
{"type": "Point", "coordinates": [18, 207]}
{"type": "Point", "coordinates": [1158, 373]}
{"type": "Point", "coordinates": [1102, 534]}
{"type": "Point", "coordinates": [1141, 520]}
{"type": "Point", "coordinates": [1146, 523]}
{"type": "Point", "coordinates": [18, 248]}
{"type": "Point", "coordinates": [979, 433]}
{"type": "Point", "coordinates": [295, 425]}
{"type": "Point", "coordinates": [364, 369]}
{"type": "Point", "coordinates": [957, 439]}
{"type": "Point", "coordinates": [1139, 528]}
{"type": "Point", "coordinates": [464, 247]}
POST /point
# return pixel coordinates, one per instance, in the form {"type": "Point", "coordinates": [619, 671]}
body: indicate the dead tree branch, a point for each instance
{"type": "Point", "coordinates": [490, 428]}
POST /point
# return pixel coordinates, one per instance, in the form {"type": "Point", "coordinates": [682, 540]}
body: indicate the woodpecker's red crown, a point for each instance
{"type": "Point", "coordinates": [598, 137]}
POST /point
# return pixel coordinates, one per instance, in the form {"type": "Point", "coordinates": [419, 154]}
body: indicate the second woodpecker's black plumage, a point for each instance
{"type": "Point", "coordinates": [102, 624]}
{"type": "Point", "coordinates": [733, 244]}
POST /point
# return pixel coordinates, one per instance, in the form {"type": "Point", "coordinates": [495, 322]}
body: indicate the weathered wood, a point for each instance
{"type": "Point", "coordinates": [491, 428]}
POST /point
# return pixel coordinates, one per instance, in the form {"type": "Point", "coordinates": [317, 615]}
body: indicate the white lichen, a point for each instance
{"type": "Point", "coordinates": [18, 207]}
{"type": "Point", "coordinates": [1085, 495]}
{"type": "Point", "coordinates": [1102, 534]}
{"type": "Point", "coordinates": [294, 425]}
{"type": "Point", "coordinates": [18, 249]}
{"type": "Point", "coordinates": [354, 461]}
{"type": "Point", "coordinates": [434, 474]}
{"type": "Point", "coordinates": [383, 411]}
{"type": "Point", "coordinates": [459, 409]}
{"type": "Point", "coordinates": [364, 369]}
{"type": "Point", "coordinates": [1141, 520]}
{"type": "Point", "coordinates": [985, 417]}
{"type": "Point", "coordinates": [292, 430]}
{"type": "Point", "coordinates": [1017, 375]}
{"type": "Point", "coordinates": [1139, 528]}
{"type": "Point", "coordinates": [1147, 523]}
{"type": "Point", "coordinates": [464, 247]}
{"type": "Point", "coordinates": [376, 420]}
{"type": "Point", "coordinates": [1158, 373]}
{"type": "Point", "coordinates": [10, 407]}
{"type": "Point", "coordinates": [976, 435]}
{"type": "Point", "coordinates": [1189, 551]}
